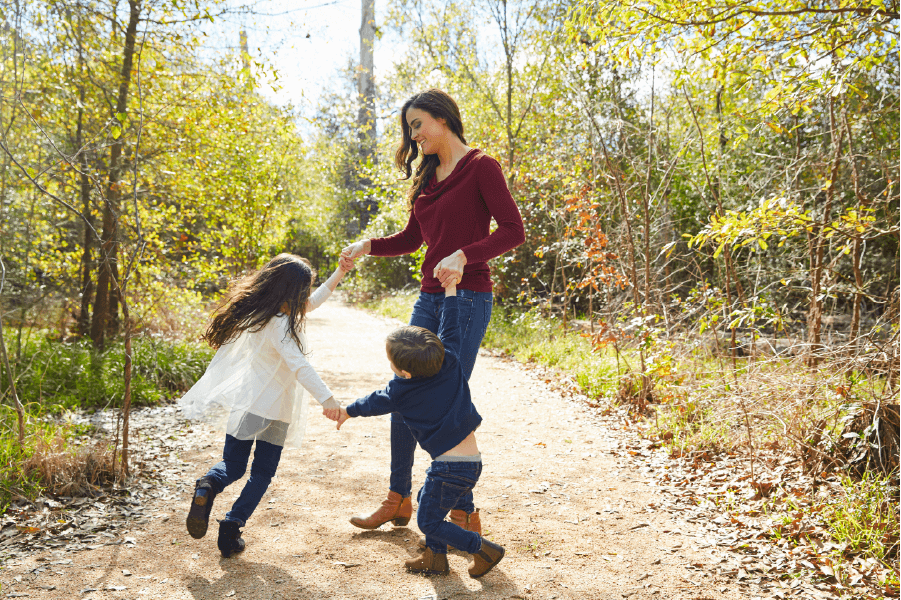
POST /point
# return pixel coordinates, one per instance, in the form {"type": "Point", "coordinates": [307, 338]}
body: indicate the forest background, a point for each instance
{"type": "Point", "coordinates": [709, 189]}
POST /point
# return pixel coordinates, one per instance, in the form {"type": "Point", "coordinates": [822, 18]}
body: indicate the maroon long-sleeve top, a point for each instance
{"type": "Point", "coordinates": [455, 214]}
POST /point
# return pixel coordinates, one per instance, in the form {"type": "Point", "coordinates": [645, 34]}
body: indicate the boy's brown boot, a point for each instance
{"type": "Point", "coordinates": [486, 558]}
{"type": "Point", "coordinates": [470, 522]}
{"type": "Point", "coordinates": [394, 508]}
{"type": "Point", "coordinates": [429, 563]}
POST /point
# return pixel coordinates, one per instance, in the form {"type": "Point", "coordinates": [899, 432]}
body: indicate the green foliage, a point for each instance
{"type": "Point", "coordinates": [864, 518]}
{"type": "Point", "coordinates": [377, 275]}
{"type": "Point", "coordinates": [805, 51]}
{"type": "Point", "coordinates": [54, 376]}
{"type": "Point", "coordinates": [530, 338]}
{"type": "Point", "coordinates": [398, 305]}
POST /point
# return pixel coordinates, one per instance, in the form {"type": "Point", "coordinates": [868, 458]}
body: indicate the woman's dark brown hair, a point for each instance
{"type": "Point", "coordinates": [441, 106]}
{"type": "Point", "coordinates": [258, 296]}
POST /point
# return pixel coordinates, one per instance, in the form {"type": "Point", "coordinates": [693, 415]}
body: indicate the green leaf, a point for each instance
{"type": "Point", "coordinates": [121, 117]}
{"type": "Point", "coordinates": [719, 250]}
{"type": "Point", "coordinates": [116, 131]}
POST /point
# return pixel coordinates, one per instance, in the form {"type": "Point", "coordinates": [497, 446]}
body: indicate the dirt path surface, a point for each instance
{"type": "Point", "coordinates": [561, 490]}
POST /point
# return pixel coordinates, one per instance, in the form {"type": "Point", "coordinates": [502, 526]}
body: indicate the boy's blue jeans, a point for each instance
{"type": "Point", "coordinates": [475, 314]}
{"type": "Point", "coordinates": [232, 467]}
{"type": "Point", "coordinates": [448, 485]}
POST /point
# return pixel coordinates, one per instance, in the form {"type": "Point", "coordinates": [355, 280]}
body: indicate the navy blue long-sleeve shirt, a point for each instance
{"type": "Point", "coordinates": [437, 409]}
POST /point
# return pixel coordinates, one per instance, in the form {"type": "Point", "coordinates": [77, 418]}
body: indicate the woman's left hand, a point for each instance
{"type": "Point", "coordinates": [450, 269]}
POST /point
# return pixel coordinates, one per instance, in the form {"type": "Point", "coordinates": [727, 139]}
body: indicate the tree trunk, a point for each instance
{"type": "Point", "coordinates": [126, 374]}
{"type": "Point", "coordinates": [20, 410]}
{"type": "Point", "coordinates": [818, 246]}
{"type": "Point", "coordinates": [857, 249]}
{"type": "Point", "coordinates": [26, 267]}
{"type": "Point", "coordinates": [715, 191]}
{"type": "Point", "coordinates": [106, 283]}
{"type": "Point", "coordinates": [646, 204]}
{"type": "Point", "coordinates": [509, 51]}
{"type": "Point", "coordinates": [87, 286]}
{"type": "Point", "coordinates": [732, 281]}
{"type": "Point", "coordinates": [245, 61]}
{"type": "Point", "coordinates": [87, 283]}
{"type": "Point", "coordinates": [367, 206]}
{"type": "Point", "coordinates": [366, 79]}
{"type": "Point", "coordinates": [616, 189]}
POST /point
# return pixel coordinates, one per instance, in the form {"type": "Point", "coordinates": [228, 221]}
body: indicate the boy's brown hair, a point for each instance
{"type": "Point", "coordinates": [415, 350]}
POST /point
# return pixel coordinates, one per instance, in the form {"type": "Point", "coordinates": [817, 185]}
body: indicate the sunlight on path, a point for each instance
{"type": "Point", "coordinates": [556, 491]}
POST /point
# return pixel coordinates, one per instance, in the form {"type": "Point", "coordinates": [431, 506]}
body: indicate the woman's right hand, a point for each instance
{"type": "Point", "coordinates": [357, 249]}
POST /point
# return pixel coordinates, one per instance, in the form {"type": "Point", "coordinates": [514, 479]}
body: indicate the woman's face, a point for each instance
{"type": "Point", "coordinates": [426, 130]}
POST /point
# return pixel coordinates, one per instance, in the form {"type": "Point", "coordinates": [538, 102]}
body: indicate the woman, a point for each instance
{"type": "Point", "coordinates": [456, 191]}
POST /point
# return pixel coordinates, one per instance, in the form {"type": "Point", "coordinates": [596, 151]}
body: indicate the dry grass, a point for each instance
{"type": "Point", "coordinates": [711, 403]}
{"type": "Point", "coordinates": [60, 469]}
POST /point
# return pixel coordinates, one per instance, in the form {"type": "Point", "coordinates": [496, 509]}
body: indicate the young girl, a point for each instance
{"type": "Point", "coordinates": [253, 388]}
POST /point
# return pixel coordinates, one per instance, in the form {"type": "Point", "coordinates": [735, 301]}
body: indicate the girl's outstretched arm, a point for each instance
{"type": "Point", "coordinates": [325, 290]}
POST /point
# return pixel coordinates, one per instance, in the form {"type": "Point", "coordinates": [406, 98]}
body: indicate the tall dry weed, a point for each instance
{"type": "Point", "coordinates": [779, 402]}
{"type": "Point", "coordinates": [62, 470]}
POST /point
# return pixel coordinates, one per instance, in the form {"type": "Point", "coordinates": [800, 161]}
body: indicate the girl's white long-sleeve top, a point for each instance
{"type": "Point", "coordinates": [253, 387]}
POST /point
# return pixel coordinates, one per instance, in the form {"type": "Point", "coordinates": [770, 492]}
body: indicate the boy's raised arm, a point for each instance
{"type": "Point", "coordinates": [449, 330]}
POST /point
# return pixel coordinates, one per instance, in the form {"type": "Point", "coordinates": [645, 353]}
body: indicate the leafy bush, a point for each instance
{"type": "Point", "coordinates": [530, 337]}
{"type": "Point", "coordinates": [377, 275]}
{"type": "Point", "coordinates": [53, 376]}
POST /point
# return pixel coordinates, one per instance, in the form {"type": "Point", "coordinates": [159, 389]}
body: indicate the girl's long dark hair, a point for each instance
{"type": "Point", "coordinates": [441, 106]}
{"type": "Point", "coordinates": [258, 296]}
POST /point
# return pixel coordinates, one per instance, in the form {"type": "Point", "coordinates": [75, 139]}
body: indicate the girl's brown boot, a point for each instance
{"type": "Point", "coordinates": [394, 508]}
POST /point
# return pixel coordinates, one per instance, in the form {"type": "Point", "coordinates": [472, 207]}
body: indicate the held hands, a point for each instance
{"type": "Point", "coordinates": [342, 417]}
{"type": "Point", "coordinates": [356, 249]}
{"type": "Point", "coordinates": [336, 414]}
{"type": "Point", "coordinates": [345, 264]}
{"type": "Point", "coordinates": [450, 270]}
{"type": "Point", "coordinates": [330, 409]}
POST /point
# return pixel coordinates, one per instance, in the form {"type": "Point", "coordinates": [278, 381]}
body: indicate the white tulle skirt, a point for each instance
{"type": "Point", "coordinates": [252, 390]}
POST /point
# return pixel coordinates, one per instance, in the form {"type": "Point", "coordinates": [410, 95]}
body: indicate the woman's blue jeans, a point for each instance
{"type": "Point", "coordinates": [232, 467]}
{"type": "Point", "coordinates": [475, 314]}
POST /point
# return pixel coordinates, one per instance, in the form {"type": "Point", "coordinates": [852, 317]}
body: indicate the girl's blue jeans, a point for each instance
{"type": "Point", "coordinates": [475, 314]}
{"type": "Point", "coordinates": [232, 467]}
{"type": "Point", "coordinates": [448, 485]}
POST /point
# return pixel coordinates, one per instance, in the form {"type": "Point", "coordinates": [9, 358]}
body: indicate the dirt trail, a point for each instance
{"type": "Point", "coordinates": [556, 491]}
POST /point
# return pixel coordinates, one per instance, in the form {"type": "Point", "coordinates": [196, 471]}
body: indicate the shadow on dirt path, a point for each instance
{"type": "Point", "coordinates": [572, 519]}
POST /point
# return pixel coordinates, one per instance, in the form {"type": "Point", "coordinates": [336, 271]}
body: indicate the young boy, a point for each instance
{"type": "Point", "coordinates": [432, 395]}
